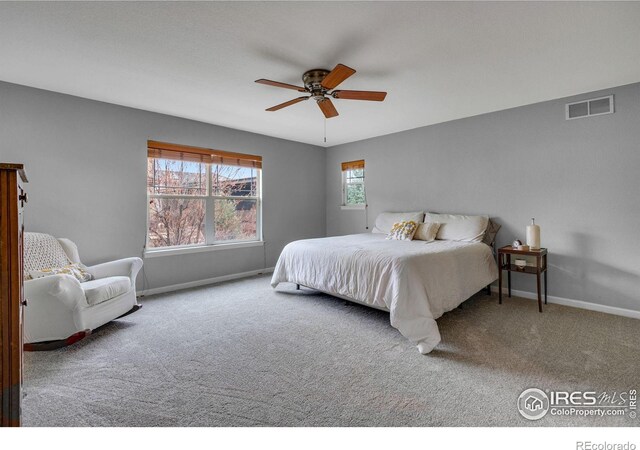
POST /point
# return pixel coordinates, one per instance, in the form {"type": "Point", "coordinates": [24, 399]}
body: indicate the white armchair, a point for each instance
{"type": "Point", "coordinates": [61, 310]}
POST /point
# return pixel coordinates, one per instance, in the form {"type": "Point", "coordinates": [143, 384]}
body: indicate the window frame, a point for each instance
{"type": "Point", "coordinates": [588, 103]}
{"type": "Point", "coordinates": [210, 243]}
{"type": "Point", "coordinates": [345, 183]}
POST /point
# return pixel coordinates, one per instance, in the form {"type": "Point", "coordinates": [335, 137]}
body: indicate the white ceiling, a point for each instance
{"type": "Point", "coordinates": [438, 61]}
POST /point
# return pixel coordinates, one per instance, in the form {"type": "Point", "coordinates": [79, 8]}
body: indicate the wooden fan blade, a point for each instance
{"type": "Point", "coordinates": [337, 76]}
{"type": "Point", "coordinates": [282, 85]}
{"type": "Point", "coordinates": [327, 108]}
{"type": "Point", "coordinates": [373, 96]}
{"type": "Point", "coordinates": [285, 104]}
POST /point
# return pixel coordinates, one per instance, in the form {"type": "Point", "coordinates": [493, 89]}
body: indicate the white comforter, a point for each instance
{"type": "Point", "coordinates": [416, 281]}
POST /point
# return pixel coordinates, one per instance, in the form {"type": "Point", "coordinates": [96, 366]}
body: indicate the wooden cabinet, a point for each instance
{"type": "Point", "coordinates": [12, 200]}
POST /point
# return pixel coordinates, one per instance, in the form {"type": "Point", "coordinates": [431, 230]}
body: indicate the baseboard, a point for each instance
{"type": "Point", "coordinates": [206, 281]}
{"type": "Point", "coordinates": [573, 303]}
{"type": "Point", "coordinates": [517, 293]}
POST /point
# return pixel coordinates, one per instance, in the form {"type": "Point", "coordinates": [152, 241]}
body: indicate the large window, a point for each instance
{"type": "Point", "coordinates": [201, 197]}
{"type": "Point", "coordinates": [353, 193]}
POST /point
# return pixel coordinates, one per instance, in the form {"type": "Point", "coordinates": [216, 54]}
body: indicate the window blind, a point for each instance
{"type": "Point", "coordinates": [353, 165]}
{"type": "Point", "coordinates": [164, 150]}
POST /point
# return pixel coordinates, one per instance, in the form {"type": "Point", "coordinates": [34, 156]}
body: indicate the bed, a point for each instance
{"type": "Point", "coordinates": [416, 281]}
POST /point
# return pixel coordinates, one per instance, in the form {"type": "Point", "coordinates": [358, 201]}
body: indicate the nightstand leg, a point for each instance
{"type": "Point", "coordinates": [500, 279]}
{"type": "Point", "coordinates": [539, 293]}
{"type": "Point", "coordinates": [545, 286]}
{"type": "Point", "coordinates": [509, 274]}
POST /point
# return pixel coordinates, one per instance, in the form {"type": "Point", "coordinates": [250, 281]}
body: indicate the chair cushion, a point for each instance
{"type": "Point", "coordinates": [103, 289]}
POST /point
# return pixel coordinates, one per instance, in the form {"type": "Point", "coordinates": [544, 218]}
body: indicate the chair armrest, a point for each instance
{"type": "Point", "coordinates": [53, 306]}
{"type": "Point", "coordinates": [127, 267]}
{"type": "Point", "coordinates": [54, 292]}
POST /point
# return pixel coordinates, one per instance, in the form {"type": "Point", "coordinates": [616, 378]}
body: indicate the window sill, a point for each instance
{"type": "Point", "coordinates": [155, 253]}
{"type": "Point", "coordinates": [349, 207]}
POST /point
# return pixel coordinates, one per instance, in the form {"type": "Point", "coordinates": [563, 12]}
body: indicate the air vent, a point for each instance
{"type": "Point", "coordinates": [591, 107]}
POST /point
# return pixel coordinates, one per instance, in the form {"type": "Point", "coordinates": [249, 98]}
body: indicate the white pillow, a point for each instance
{"type": "Point", "coordinates": [457, 227]}
{"type": "Point", "coordinates": [385, 220]}
{"type": "Point", "coordinates": [426, 231]}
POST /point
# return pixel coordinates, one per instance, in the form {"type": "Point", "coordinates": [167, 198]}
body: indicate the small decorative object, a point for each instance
{"type": "Point", "coordinates": [516, 244]}
{"type": "Point", "coordinates": [524, 248]}
{"type": "Point", "coordinates": [533, 235]}
{"type": "Point", "coordinates": [520, 263]}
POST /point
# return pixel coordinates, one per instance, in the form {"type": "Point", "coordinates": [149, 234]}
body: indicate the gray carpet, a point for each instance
{"type": "Point", "coordinates": [241, 354]}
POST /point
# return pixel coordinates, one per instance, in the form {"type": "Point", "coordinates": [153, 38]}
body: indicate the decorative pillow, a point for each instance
{"type": "Point", "coordinates": [427, 231]}
{"type": "Point", "coordinates": [76, 270]}
{"type": "Point", "coordinates": [403, 231]}
{"type": "Point", "coordinates": [42, 251]}
{"type": "Point", "coordinates": [491, 232]}
{"type": "Point", "coordinates": [457, 227]}
{"type": "Point", "coordinates": [386, 220]}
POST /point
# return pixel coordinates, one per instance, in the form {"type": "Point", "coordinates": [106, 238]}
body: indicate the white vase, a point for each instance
{"type": "Point", "coordinates": [533, 235]}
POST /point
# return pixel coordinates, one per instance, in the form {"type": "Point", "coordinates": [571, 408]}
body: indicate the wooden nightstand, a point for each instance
{"type": "Point", "coordinates": [504, 263]}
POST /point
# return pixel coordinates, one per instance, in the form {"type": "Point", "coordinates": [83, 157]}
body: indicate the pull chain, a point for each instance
{"type": "Point", "coordinates": [325, 129]}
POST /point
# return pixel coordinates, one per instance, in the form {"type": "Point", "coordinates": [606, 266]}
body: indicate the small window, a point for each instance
{"type": "Point", "coordinates": [578, 110]}
{"type": "Point", "coordinates": [353, 191]}
{"type": "Point", "coordinates": [590, 107]}
{"type": "Point", "coordinates": [201, 196]}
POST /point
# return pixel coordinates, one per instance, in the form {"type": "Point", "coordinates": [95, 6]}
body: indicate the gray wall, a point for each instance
{"type": "Point", "coordinates": [580, 179]}
{"type": "Point", "coordinates": [86, 163]}
{"type": "Point", "coordinates": [87, 160]}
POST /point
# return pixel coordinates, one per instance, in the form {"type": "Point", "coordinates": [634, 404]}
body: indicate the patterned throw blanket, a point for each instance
{"type": "Point", "coordinates": [42, 251]}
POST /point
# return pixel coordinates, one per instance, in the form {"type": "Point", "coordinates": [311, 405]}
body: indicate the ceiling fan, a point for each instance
{"type": "Point", "coordinates": [318, 83]}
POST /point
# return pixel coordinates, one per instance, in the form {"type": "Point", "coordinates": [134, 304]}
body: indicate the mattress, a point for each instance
{"type": "Point", "coordinates": [416, 281]}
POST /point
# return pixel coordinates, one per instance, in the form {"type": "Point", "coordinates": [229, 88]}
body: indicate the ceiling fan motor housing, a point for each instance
{"type": "Point", "coordinates": [312, 79]}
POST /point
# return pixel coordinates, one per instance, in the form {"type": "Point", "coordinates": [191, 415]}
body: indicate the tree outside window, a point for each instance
{"type": "Point", "coordinates": [198, 203]}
